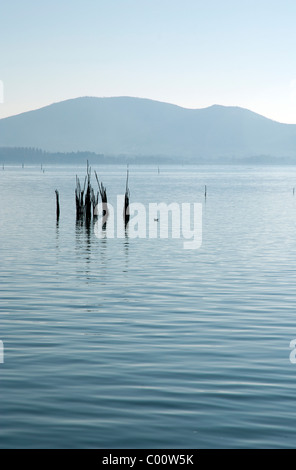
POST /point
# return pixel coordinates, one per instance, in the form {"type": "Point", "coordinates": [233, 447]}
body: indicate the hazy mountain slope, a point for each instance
{"type": "Point", "coordinates": [145, 127]}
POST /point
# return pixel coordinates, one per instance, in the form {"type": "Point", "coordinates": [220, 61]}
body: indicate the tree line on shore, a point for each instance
{"type": "Point", "coordinates": [32, 155]}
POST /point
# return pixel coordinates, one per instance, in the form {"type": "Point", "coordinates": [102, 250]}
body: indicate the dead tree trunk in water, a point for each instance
{"type": "Point", "coordinates": [84, 198]}
{"type": "Point", "coordinates": [126, 212]}
{"type": "Point", "coordinates": [104, 199]}
{"type": "Point", "coordinates": [103, 191]}
{"type": "Point", "coordinates": [79, 200]}
{"type": "Point", "coordinates": [58, 204]}
{"type": "Point", "coordinates": [95, 202]}
{"type": "Point", "coordinates": [88, 198]}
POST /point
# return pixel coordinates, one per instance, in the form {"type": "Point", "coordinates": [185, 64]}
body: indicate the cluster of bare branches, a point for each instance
{"type": "Point", "coordinates": [86, 198]}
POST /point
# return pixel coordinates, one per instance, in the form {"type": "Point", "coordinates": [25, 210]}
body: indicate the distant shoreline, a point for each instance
{"type": "Point", "coordinates": [28, 156]}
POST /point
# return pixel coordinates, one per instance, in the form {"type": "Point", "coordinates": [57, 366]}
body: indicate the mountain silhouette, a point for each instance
{"type": "Point", "coordinates": [143, 127]}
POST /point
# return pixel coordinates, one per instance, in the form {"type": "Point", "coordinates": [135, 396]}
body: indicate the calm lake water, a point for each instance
{"type": "Point", "coordinates": [138, 343]}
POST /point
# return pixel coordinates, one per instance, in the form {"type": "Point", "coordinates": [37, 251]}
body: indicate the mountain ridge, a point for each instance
{"type": "Point", "coordinates": [143, 127]}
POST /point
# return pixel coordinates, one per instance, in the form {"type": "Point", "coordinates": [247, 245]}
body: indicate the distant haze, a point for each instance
{"type": "Point", "coordinates": [142, 127]}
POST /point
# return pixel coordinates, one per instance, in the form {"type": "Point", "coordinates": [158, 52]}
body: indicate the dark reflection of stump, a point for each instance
{"type": "Point", "coordinates": [105, 216]}
{"type": "Point", "coordinates": [88, 233]}
{"type": "Point", "coordinates": [126, 250]}
{"type": "Point", "coordinates": [57, 234]}
{"type": "Point", "coordinates": [126, 241]}
{"type": "Point", "coordinates": [84, 240]}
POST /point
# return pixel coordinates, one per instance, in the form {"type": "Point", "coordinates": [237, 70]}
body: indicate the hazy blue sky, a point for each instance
{"type": "Point", "coordinates": [189, 52]}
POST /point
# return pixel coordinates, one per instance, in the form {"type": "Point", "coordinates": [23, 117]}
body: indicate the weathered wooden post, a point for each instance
{"type": "Point", "coordinates": [126, 212]}
{"type": "Point", "coordinates": [88, 199]}
{"type": "Point", "coordinates": [104, 199]}
{"type": "Point", "coordinates": [58, 204]}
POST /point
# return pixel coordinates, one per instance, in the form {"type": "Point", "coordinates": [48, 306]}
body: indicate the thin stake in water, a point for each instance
{"type": "Point", "coordinates": [58, 204]}
{"type": "Point", "coordinates": [126, 211]}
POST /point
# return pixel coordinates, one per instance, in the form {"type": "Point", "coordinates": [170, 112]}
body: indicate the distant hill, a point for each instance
{"type": "Point", "coordinates": [142, 127]}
